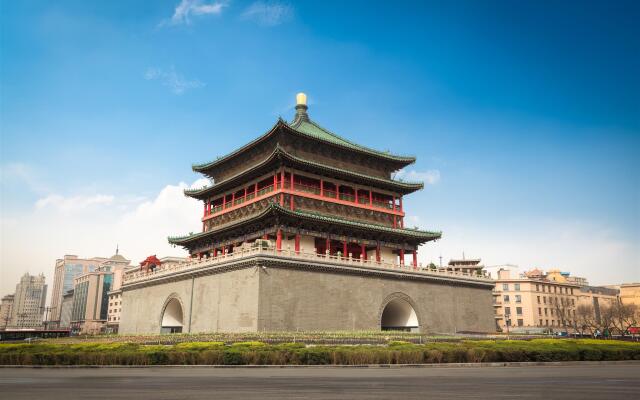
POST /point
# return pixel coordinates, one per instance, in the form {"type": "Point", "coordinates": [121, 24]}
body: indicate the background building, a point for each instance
{"type": "Point", "coordinates": [597, 297]}
{"type": "Point", "coordinates": [630, 293]}
{"type": "Point", "coordinates": [65, 310]}
{"type": "Point", "coordinates": [89, 312]}
{"type": "Point", "coordinates": [29, 302]}
{"type": "Point", "coordinates": [6, 306]}
{"type": "Point", "coordinates": [533, 302]}
{"type": "Point", "coordinates": [66, 270]}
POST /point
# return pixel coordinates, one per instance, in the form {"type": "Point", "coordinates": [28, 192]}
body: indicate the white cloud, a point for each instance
{"type": "Point", "coordinates": [92, 226]}
{"type": "Point", "coordinates": [188, 8]}
{"type": "Point", "coordinates": [171, 79]}
{"type": "Point", "coordinates": [429, 177]}
{"type": "Point", "coordinates": [268, 13]}
{"type": "Point", "coordinates": [200, 183]}
{"type": "Point", "coordinates": [66, 204]}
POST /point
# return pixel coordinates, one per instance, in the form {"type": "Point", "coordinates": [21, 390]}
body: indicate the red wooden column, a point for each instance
{"type": "Point", "coordinates": [224, 201]}
{"type": "Point", "coordinates": [255, 191]}
{"type": "Point", "coordinates": [401, 256]}
{"type": "Point", "coordinates": [245, 194]}
{"type": "Point", "coordinates": [321, 188]}
{"type": "Point", "coordinates": [344, 249]}
{"type": "Point", "coordinates": [370, 198]}
{"type": "Point", "coordinates": [224, 250]}
{"type": "Point", "coordinates": [279, 239]}
{"type": "Point", "coordinates": [275, 181]}
{"type": "Point", "coordinates": [328, 245]}
{"type": "Point", "coordinates": [363, 252]}
{"type": "Point", "coordinates": [394, 203]}
{"type": "Point", "coordinates": [401, 222]}
{"type": "Point", "coordinates": [400, 203]}
{"type": "Point", "coordinates": [377, 252]}
{"type": "Point", "coordinates": [395, 224]}
{"type": "Point", "coordinates": [355, 191]}
{"type": "Point", "coordinates": [205, 210]}
{"type": "Point", "coordinates": [415, 259]}
{"type": "Point", "coordinates": [282, 187]}
{"type": "Point", "coordinates": [215, 252]}
{"type": "Point", "coordinates": [297, 243]}
{"type": "Point", "coordinates": [291, 194]}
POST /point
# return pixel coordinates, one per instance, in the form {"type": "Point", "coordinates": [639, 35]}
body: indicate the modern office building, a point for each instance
{"type": "Point", "coordinates": [29, 302]}
{"type": "Point", "coordinates": [66, 270]}
{"type": "Point", "coordinates": [89, 312]}
{"type": "Point", "coordinates": [65, 310]}
{"type": "Point", "coordinates": [304, 229]}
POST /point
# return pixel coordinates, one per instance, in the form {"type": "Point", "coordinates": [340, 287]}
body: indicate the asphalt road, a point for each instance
{"type": "Point", "coordinates": [530, 382]}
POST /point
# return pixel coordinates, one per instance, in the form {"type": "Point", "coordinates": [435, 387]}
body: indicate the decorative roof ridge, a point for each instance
{"type": "Point", "coordinates": [266, 210]}
{"type": "Point", "coordinates": [338, 140]}
{"type": "Point", "coordinates": [279, 150]}
{"type": "Point", "coordinates": [295, 124]}
{"type": "Point", "coordinates": [202, 166]}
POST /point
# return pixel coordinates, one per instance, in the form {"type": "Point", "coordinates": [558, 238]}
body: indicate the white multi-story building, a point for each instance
{"type": "Point", "coordinates": [5, 310]}
{"type": "Point", "coordinates": [29, 302]}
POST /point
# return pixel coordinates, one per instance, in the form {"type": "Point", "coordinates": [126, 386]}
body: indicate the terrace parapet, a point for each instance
{"type": "Point", "coordinates": [167, 270]}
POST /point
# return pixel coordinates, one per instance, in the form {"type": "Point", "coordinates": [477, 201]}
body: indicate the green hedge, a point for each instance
{"type": "Point", "coordinates": [258, 353]}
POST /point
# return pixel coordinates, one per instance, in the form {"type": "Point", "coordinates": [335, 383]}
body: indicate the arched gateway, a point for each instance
{"type": "Point", "coordinates": [398, 315]}
{"type": "Point", "coordinates": [172, 317]}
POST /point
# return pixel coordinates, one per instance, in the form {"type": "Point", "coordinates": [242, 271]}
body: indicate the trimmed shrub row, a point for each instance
{"type": "Point", "coordinates": [258, 353]}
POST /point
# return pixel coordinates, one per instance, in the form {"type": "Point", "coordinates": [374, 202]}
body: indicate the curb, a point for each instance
{"type": "Point", "coordinates": [364, 366]}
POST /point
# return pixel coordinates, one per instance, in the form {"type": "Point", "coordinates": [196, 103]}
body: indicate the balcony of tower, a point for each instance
{"type": "Point", "coordinates": [291, 189]}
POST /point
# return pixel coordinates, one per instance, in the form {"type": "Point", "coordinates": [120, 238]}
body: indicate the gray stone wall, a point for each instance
{"type": "Point", "coordinates": [276, 298]}
{"type": "Point", "coordinates": [226, 302]}
{"type": "Point", "coordinates": [327, 301]}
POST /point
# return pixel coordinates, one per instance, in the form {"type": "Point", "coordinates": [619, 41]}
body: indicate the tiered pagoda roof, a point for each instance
{"type": "Point", "coordinates": [309, 129]}
{"type": "Point", "coordinates": [277, 211]}
{"type": "Point", "coordinates": [305, 146]}
{"type": "Point", "coordinates": [280, 155]}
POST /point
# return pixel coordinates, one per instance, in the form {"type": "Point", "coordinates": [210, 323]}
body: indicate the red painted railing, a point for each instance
{"type": "Point", "coordinates": [364, 201]}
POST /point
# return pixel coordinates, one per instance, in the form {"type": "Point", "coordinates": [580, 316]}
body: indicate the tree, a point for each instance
{"type": "Point", "coordinates": [607, 315]}
{"type": "Point", "coordinates": [586, 319]}
{"type": "Point", "coordinates": [563, 313]}
{"type": "Point", "coordinates": [624, 316]}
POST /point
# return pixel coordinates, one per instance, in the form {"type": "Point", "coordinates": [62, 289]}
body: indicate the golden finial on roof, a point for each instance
{"type": "Point", "coordinates": [301, 99]}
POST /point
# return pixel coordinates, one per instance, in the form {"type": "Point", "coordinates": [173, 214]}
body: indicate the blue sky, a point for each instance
{"type": "Point", "coordinates": [525, 118]}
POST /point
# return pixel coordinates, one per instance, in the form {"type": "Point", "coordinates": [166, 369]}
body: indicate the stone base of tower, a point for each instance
{"type": "Point", "coordinates": [271, 293]}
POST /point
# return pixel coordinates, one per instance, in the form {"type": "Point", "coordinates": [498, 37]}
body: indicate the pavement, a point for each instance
{"type": "Point", "coordinates": [576, 381]}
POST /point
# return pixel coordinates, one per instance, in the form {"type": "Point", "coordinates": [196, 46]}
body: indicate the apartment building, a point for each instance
{"type": "Point", "coordinates": [533, 302]}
